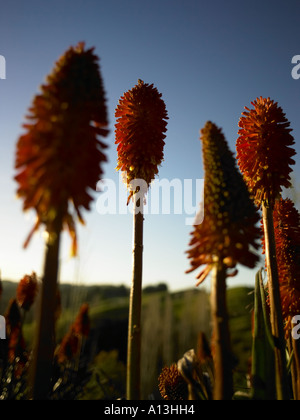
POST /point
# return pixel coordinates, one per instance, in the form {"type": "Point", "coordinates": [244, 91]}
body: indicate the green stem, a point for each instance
{"type": "Point", "coordinates": [221, 335]}
{"type": "Point", "coordinates": [292, 368]}
{"type": "Point", "coordinates": [133, 389]}
{"type": "Point", "coordinates": [44, 346]}
{"type": "Point", "coordinates": [262, 371]}
{"type": "Point", "coordinates": [282, 386]}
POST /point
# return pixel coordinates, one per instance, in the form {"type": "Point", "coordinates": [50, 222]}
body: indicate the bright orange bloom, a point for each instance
{"type": "Point", "coordinates": [263, 150]}
{"type": "Point", "coordinates": [140, 128]}
{"type": "Point", "coordinates": [172, 385]}
{"type": "Point", "coordinates": [228, 231]}
{"type": "Point", "coordinates": [287, 238]}
{"type": "Point", "coordinates": [82, 325]}
{"type": "Point", "coordinates": [26, 291]}
{"type": "Point", "coordinates": [59, 157]}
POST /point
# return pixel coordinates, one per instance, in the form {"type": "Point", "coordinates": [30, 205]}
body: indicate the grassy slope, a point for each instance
{"type": "Point", "coordinates": [240, 304]}
{"type": "Point", "coordinates": [174, 329]}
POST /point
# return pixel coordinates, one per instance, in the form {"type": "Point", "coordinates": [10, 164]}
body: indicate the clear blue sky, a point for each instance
{"type": "Point", "coordinates": [209, 59]}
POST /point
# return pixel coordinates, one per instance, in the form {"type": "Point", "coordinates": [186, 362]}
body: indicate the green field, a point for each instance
{"type": "Point", "coordinates": [171, 324]}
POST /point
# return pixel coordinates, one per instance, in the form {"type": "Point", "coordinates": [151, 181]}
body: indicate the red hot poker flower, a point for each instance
{"type": "Point", "coordinates": [228, 230]}
{"type": "Point", "coordinates": [26, 291]}
{"type": "Point", "coordinates": [264, 150]}
{"type": "Point", "coordinates": [172, 385]}
{"type": "Point", "coordinates": [59, 157]}
{"type": "Point", "coordinates": [287, 238]}
{"type": "Point", "coordinates": [140, 128]}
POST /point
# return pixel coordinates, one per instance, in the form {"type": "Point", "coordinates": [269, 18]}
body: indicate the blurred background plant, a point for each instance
{"type": "Point", "coordinates": [94, 366]}
{"type": "Point", "coordinates": [189, 345]}
{"type": "Point", "coordinates": [70, 363]}
{"type": "Point", "coordinates": [264, 155]}
{"type": "Point", "coordinates": [58, 161]}
{"type": "Point", "coordinates": [227, 236]}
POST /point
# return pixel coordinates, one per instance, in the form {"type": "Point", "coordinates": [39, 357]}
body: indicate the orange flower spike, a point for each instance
{"type": "Point", "coordinates": [264, 150]}
{"type": "Point", "coordinates": [228, 230]}
{"type": "Point", "coordinates": [141, 123]}
{"type": "Point", "coordinates": [287, 238]}
{"type": "Point", "coordinates": [140, 132]}
{"type": "Point", "coordinates": [59, 158]}
{"type": "Point", "coordinates": [27, 291]}
{"type": "Point", "coordinates": [172, 385]}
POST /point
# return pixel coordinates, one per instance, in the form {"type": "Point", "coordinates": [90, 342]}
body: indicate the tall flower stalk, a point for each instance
{"type": "Point", "coordinates": [141, 123]}
{"type": "Point", "coordinates": [264, 156]}
{"type": "Point", "coordinates": [227, 236]}
{"type": "Point", "coordinates": [287, 239]}
{"type": "Point", "coordinates": [58, 160]}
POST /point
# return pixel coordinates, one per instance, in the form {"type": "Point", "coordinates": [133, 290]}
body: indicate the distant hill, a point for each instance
{"type": "Point", "coordinates": [73, 296]}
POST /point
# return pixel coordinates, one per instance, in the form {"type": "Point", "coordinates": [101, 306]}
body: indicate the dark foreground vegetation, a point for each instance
{"type": "Point", "coordinates": [171, 324]}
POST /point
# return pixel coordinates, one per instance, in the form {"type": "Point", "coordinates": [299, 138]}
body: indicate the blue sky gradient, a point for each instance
{"type": "Point", "coordinates": [208, 59]}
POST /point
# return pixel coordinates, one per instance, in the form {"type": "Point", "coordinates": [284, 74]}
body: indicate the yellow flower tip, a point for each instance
{"type": "Point", "coordinates": [229, 262]}
{"type": "Point", "coordinates": [74, 249]}
{"type": "Point", "coordinates": [80, 47]}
